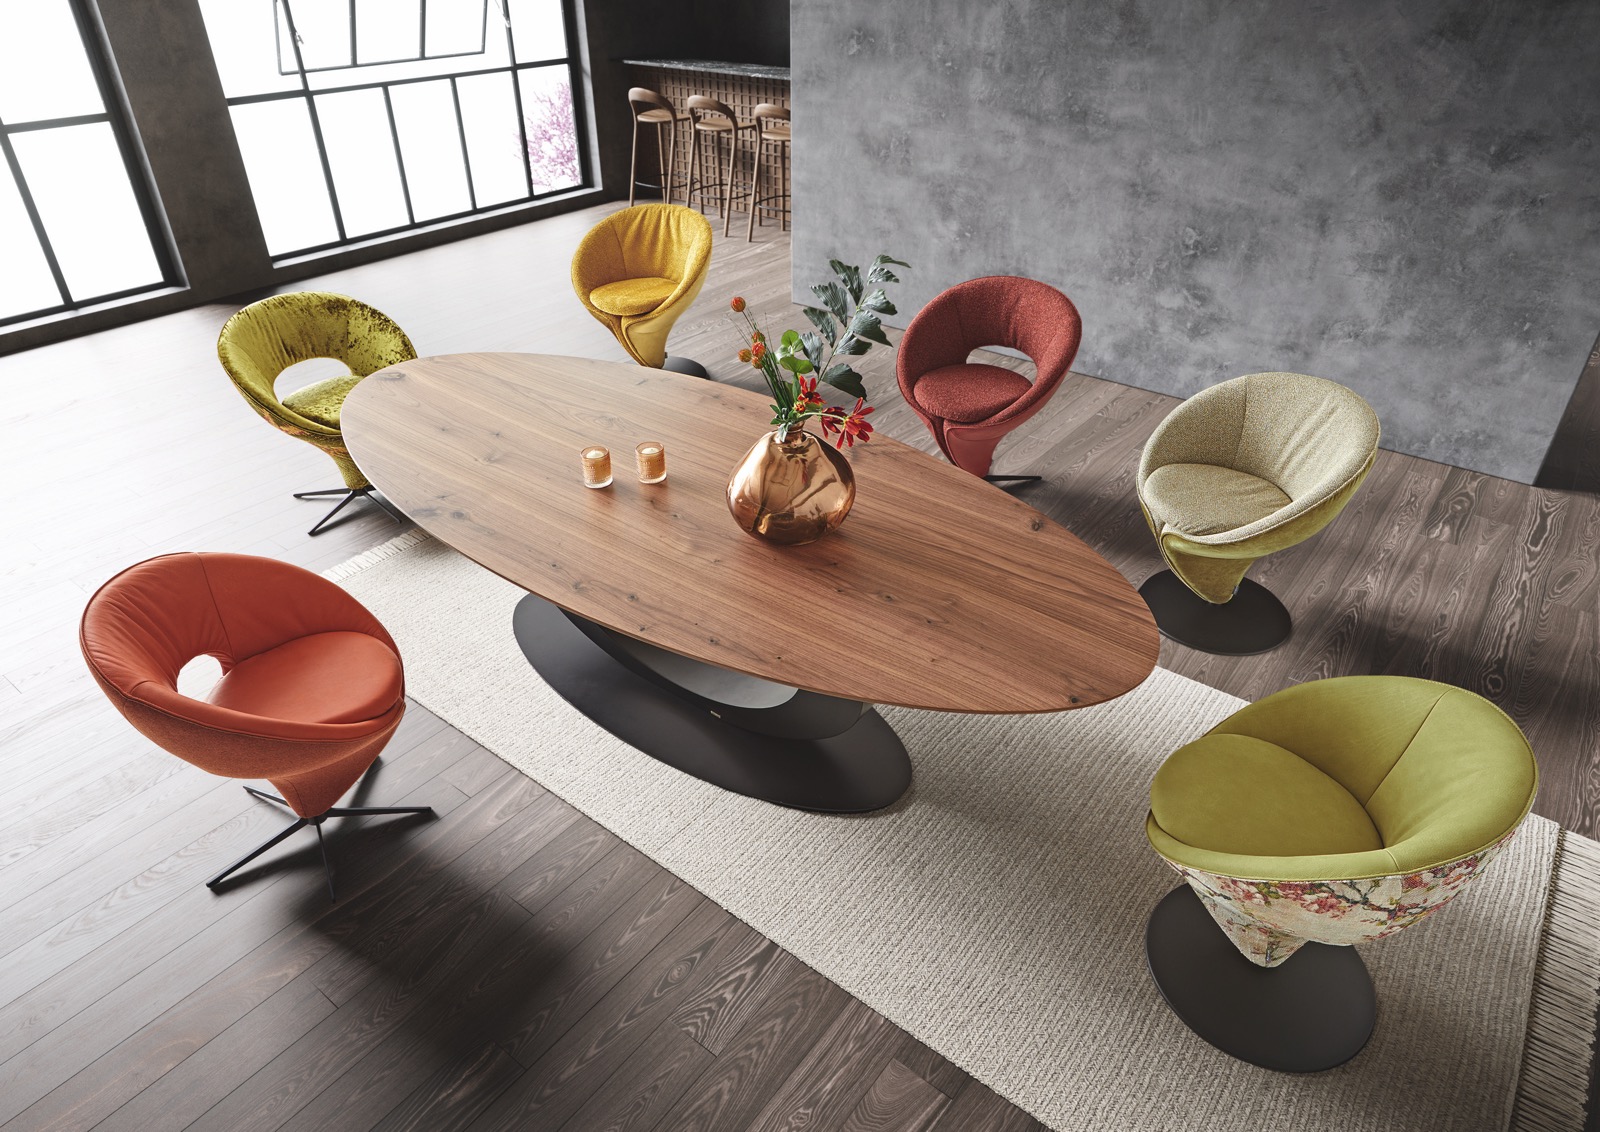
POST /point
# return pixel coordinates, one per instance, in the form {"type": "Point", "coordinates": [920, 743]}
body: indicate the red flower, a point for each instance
{"type": "Point", "coordinates": [807, 397]}
{"type": "Point", "coordinates": [737, 304]}
{"type": "Point", "coordinates": [851, 426]}
{"type": "Point", "coordinates": [855, 425]}
{"type": "Point", "coordinates": [744, 355]}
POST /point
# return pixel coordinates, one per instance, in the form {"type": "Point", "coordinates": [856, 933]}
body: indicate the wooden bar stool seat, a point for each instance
{"type": "Point", "coordinates": [715, 120]}
{"type": "Point", "coordinates": [771, 124]}
{"type": "Point", "coordinates": [652, 109]}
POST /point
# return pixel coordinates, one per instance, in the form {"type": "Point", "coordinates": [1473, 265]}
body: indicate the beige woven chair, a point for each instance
{"type": "Point", "coordinates": [1235, 473]}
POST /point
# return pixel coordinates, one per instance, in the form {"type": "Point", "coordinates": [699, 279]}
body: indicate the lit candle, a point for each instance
{"type": "Point", "coordinates": [652, 458]}
{"type": "Point", "coordinates": [596, 467]}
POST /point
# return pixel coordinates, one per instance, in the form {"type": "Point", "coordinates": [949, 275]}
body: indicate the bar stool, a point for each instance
{"type": "Point", "coordinates": [650, 108]}
{"type": "Point", "coordinates": [716, 120]}
{"type": "Point", "coordinates": [772, 125]}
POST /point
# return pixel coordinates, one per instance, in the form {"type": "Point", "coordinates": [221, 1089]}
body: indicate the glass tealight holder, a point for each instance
{"type": "Point", "coordinates": [596, 466]}
{"type": "Point", "coordinates": [652, 457]}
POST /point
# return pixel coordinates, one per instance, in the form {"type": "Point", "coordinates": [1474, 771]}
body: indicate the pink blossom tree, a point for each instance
{"type": "Point", "coordinates": [552, 136]}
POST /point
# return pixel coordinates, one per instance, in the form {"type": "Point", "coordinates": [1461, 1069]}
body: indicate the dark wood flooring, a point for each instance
{"type": "Point", "coordinates": [511, 964]}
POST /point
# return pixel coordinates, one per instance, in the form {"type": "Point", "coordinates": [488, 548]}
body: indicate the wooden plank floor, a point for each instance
{"type": "Point", "coordinates": [511, 964]}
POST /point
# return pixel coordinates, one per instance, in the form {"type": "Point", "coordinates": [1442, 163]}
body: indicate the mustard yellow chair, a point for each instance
{"type": "Point", "coordinates": [639, 269]}
{"type": "Point", "coordinates": [1332, 813]}
{"type": "Point", "coordinates": [266, 338]}
{"type": "Point", "coordinates": [1235, 473]}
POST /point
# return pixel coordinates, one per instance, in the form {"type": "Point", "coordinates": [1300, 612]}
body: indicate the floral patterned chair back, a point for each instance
{"type": "Point", "coordinates": [1340, 811]}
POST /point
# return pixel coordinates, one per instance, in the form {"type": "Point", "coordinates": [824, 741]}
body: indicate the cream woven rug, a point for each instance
{"type": "Point", "coordinates": [997, 911]}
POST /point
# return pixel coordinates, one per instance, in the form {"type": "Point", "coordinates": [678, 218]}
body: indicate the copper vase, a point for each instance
{"type": "Point", "coordinates": [791, 491]}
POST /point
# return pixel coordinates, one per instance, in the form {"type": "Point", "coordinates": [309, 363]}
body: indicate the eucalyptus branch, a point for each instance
{"type": "Point", "coordinates": [813, 356]}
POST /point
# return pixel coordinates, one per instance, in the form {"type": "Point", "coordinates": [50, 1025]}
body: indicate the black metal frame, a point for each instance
{"type": "Point", "coordinates": [114, 115]}
{"type": "Point", "coordinates": [316, 824]}
{"type": "Point", "coordinates": [422, 41]}
{"type": "Point", "coordinates": [514, 68]}
{"type": "Point", "coordinates": [760, 739]}
{"type": "Point", "coordinates": [347, 494]}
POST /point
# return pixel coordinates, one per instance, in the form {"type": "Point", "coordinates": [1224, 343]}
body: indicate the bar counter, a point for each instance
{"type": "Point", "coordinates": [716, 67]}
{"type": "Point", "coordinates": [743, 86]}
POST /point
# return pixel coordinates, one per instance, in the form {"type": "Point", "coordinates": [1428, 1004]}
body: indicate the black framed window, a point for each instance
{"type": "Point", "coordinates": [77, 223]}
{"type": "Point", "coordinates": [363, 118]}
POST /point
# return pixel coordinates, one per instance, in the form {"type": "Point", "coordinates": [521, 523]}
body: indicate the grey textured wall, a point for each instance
{"type": "Point", "coordinates": [1403, 195]}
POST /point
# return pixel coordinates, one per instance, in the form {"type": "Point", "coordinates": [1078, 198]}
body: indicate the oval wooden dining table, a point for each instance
{"type": "Point", "coordinates": [750, 665]}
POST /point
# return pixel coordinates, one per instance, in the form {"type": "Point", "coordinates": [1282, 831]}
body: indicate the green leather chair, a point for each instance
{"type": "Point", "coordinates": [266, 338]}
{"type": "Point", "coordinates": [1331, 813]}
{"type": "Point", "coordinates": [1237, 472]}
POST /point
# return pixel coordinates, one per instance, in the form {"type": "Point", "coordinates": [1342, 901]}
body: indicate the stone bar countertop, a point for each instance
{"type": "Point", "coordinates": [716, 67]}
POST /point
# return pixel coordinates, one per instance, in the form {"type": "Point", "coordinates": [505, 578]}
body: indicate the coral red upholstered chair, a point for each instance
{"type": "Point", "coordinates": [312, 685]}
{"type": "Point", "coordinates": [968, 406]}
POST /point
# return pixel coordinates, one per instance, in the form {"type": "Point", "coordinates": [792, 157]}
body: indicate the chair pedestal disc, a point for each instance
{"type": "Point", "coordinates": [1314, 1012]}
{"type": "Point", "coordinates": [685, 365]}
{"type": "Point", "coordinates": [1255, 621]}
{"type": "Point", "coordinates": [751, 736]}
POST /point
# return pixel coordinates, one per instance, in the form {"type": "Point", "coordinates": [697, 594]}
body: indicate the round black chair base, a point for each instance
{"type": "Point", "coordinates": [632, 690]}
{"type": "Point", "coordinates": [685, 365]}
{"type": "Point", "coordinates": [1312, 1013]}
{"type": "Point", "coordinates": [1255, 621]}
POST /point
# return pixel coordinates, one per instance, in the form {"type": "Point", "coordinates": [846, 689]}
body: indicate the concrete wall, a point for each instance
{"type": "Point", "coordinates": [1403, 195]}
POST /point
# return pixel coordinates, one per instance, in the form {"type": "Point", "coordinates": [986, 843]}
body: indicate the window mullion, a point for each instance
{"type": "Point", "coordinates": [316, 122]}
{"type": "Point", "coordinates": [461, 131]}
{"type": "Point", "coordinates": [399, 158]}
{"type": "Point", "coordinates": [516, 88]}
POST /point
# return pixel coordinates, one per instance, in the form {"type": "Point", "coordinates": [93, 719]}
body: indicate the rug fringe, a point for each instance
{"type": "Point", "coordinates": [1553, 1088]}
{"type": "Point", "coordinates": [376, 555]}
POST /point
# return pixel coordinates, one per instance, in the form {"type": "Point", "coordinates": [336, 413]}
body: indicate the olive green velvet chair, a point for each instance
{"type": "Point", "coordinates": [1235, 473]}
{"type": "Point", "coordinates": [639, 269]}
{"type": "Point", "coordinates": [1332, 813]}
{"type": "Point", "coordinates": [266, 338]}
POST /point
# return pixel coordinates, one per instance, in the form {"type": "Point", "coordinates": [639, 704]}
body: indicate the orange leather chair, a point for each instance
{"type": "Point", "coordinates": [312, 685]}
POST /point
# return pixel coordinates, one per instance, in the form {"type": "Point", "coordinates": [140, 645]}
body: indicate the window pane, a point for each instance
{"type": "Point", "coordinates": [539, 29]}
{"type": "Point", "coordinates": [456, 27]}
{"type": "Point", "coordinates": [91, 217]}
{"type": "Point", "coordinates": [552, 129]}
{"type": "Point", "coordinates": [494, 55]}
{"type": "Point", "coordinates": [44, 72]}
{"type": "Point", "coordinates": [244, 41]}
{"type": "Point", "coordinates": [448, 138]}
{"type": "Point", "coordinates": [387, 30]}
{"type": "Point", "coordinates": [494, 141]}
{"type": "Point", "coordinates": [25, 283]}
{"type": "Point", "coordinates": [324, 30]}
{"type": "Point", "coordinates": [425, 117]}
{"type": "Point", "coordinates": [280, 156]}
{"type": "Point", "coordinates": [355, 130]}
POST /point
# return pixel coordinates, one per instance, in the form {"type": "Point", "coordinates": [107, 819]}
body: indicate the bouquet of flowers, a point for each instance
{"type": "Point", "coordinates": [847, 324]}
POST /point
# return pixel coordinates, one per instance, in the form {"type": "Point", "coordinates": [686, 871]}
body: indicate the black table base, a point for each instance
{"type": "Point", "coordinates": [744, 734]}
{"type": "Point", "coordinates": [685, 365]}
